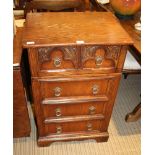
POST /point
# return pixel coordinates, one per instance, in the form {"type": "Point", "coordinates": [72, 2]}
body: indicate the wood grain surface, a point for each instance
{"type": "Point", "coordinates": [44, 29]}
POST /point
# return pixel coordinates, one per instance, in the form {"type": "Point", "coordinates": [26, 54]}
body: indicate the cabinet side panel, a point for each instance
{"type": "Point", "coordinates": [38, 109]}
{"type": "Point", "coordinates": [112, 92]}
{"type": "Point", "coordinates": [33, 62]}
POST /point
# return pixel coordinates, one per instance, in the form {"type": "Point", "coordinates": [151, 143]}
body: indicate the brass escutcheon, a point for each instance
{"type": "Point", "coordinates": [99, 60]}
{"type": "Point", "coordinates": [89, 127]}
{"type": "Point", "coordinates": [57, 62]}
{"type": "Point", "coordinates": [58, 112]}
{"type": "Point", "coordinates": [92, 110]}
{"type": "Point", "coordinates": [59, 129]}
{"type": "Point", "coordinates": [95, 89]}
{"type": "Point", "coordinates": [57, 91]}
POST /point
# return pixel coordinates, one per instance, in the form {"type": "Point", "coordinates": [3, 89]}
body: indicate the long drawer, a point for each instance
{"type": "Point", "coordinates": [69, 127]}
{"type": "Point", "coordinates": [73, 109]}
{"type": "Point", "coordinates": [86, 86]}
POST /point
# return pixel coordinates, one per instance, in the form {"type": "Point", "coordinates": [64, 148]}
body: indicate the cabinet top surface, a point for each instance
{"type": "Point", "coordinates": [66, 28]}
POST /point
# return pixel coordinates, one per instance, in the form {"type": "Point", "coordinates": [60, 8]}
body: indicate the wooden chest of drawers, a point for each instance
{"type": "Point", "coordinates": [76, 61]}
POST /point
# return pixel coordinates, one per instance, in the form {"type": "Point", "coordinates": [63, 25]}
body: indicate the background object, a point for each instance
{"type": "Point", "coordinates": [103, 1]}
{"type": "Point", "coordinates": [125, 8]}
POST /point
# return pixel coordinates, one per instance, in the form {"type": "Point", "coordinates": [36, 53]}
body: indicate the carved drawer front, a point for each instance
{"type": "Point", "coordinates": [86, 87]}
{"type": "Point", "coordinates": [100, 57]}
{"type": "Point", "coordinates": [57, 58]}
{"type": "Point", "coordinates": [73, 109]}
{"type": "Point", "coordinates": [81, 126]}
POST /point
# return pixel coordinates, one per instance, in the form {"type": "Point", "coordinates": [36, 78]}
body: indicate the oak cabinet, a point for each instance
{"type": "Point", "coordinates": [76, 61]}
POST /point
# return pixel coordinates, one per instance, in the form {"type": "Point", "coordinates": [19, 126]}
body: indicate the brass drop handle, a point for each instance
{"type": "Point", "coordinates": [57, 62]}
{"type": "Point", "coordinates": [99, 60]}
{"type": "Point", "coordinates": [89, 127]}
{"type": "Point", "coordinates": [57, 91]}
{"type": "Point", "coordinates": [95, 89]}
{"type": "Point", "coordinates": [59, 129]}
{"type": "Point", "coordinates": [92, 110]}
{"type": "Point", "coordinates": [58, 112]}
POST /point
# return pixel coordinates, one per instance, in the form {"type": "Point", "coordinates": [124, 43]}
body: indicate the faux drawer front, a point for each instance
{"type": "Point", "coordinates": [85, 126]}
{"type": "Point", "coordinates": [86, 87]}
{"type": "Point", "coordinates": [61, 110]}
{"type": "Point", "coordinates": [100, 57]}
{"type": "Point", "coordinates": [57, 58]}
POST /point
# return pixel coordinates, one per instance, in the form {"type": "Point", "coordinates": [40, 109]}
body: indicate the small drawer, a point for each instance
{"type": "Point", "coordinates": [83, 87]}
{"type": "Point", "coordinates": [68, 127]}
{"type": "Point", "coordinates": [104, 58]}
{"type": "Point", "coordinates": [59, 58]}
{"type": "Point", "coordinates": [73, 109]}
